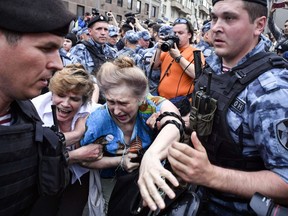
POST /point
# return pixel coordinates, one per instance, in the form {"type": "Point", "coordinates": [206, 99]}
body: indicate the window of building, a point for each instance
{"type": "Point", "coordinates": [130, 4]}
{"type": "Point", "coordinates": [138, 6]}
{"type": "Point", "coordinates": [153, 11]}
{"type": "Point", "coordinates": [146, 8]}
{"type": "Point", "coordinates": [108, 1]}
{"type": "Point", "coordinates": [80, 10]}
{"type": "Point", "coordinates": [120, 3]}
{"type": "Point", "coordinates": [164, 10]}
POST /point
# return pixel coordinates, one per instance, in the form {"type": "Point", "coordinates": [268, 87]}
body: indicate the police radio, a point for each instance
{"type": "Point", "coordinates": [203, 105]}
{"type": "Point", "coordinates": [202, 98]}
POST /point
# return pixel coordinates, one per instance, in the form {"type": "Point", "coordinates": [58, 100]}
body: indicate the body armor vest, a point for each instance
{"type": "Point", "coordinates": [220, 147]}
{"type": "Point", "coordinates": [18, 162]}
{"type": "Point", "coordinates": [98, 57]}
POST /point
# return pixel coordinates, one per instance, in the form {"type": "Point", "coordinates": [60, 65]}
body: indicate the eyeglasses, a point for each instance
{"type": "Point", "coordinates": [180, 21]}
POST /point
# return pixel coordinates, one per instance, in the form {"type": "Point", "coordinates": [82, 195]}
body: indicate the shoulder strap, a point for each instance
{"type": "Point", "coordinates": [93, 51]}
{"type": "Point", "coordinates": [253, 67]}
{"type": "Point", "coordinates": [30, 112]}
{"type": "Point", "coordinates": [28, 109]}
{"type": "Point", "coordinates": [242, 75]}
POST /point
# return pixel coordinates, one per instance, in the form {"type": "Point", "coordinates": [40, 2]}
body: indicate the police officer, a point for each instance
{"type": "Point", "coordinates": [31, 34]}
{"type": "Point", "coordinates": [247, 150]}
{"type": "Point", "coordinates": [205, 43]}
{"type": "Point", "coordinates": [100, 52]}
{"type": "Point", "coordinates": [143, 42]}
{"type": "Point", "coordinates": [130, 39]}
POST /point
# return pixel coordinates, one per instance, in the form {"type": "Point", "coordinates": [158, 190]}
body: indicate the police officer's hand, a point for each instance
{"type": "Point", "coordinates": [191, 164]}
{"type": "Point", "coordinates": [174, 52]}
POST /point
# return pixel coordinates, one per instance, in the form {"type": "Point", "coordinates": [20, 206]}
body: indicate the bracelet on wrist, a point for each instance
{"type": "Point", "coordinates": [180, 126]}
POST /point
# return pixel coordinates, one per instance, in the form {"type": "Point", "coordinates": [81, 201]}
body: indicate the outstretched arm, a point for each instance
{"type": "Point", "coordinates": [152, 174]}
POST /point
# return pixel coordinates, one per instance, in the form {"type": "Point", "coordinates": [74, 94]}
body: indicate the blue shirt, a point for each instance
{"type": "Point", "coordinates": [101, 129]}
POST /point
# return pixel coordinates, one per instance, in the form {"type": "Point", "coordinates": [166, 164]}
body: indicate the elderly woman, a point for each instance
{"type": "Point", "coordinates": [121, 124]}
{"type": "Point", "coordinates": [70, 91]}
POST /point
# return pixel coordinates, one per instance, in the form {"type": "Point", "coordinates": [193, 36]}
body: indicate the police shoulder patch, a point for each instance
{"type": "Point", "coordinates": [238, 105]}
{"type": "Point", "coordinates": [282, 133]}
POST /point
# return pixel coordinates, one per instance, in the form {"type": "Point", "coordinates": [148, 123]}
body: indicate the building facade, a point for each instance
{"type": "Point", "coordinates": [167, 10]}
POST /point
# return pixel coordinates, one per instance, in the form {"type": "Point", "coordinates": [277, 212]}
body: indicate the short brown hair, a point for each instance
{"type": "Point", "coordinates": [255, 10]}
{"type": "Point", "coordinates": [73, 78]}
{"type": "Point", "coordinates": [12, 37]}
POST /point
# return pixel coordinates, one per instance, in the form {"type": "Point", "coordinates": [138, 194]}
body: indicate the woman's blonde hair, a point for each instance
{"type": "Point", "coordinates": [72, 78]}
{"type": "Point", "coordinates": [123, 71]}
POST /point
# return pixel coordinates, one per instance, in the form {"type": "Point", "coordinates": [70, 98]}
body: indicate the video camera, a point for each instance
{"type": "Point", "coordinates": [169, 42]}
{"type": "Point", "coordinates": [264, 206]}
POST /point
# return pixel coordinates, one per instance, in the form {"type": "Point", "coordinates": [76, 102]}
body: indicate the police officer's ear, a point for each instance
{"type": "Point", "coordinates": [260, 24]}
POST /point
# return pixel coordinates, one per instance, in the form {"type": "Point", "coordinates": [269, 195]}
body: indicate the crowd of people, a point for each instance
{"type": "Point", "coordinates": [129, 98]}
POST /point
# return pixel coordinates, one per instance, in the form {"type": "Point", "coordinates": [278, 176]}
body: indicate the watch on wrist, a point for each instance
{"type": "Point", "coordinates": [177, 59]}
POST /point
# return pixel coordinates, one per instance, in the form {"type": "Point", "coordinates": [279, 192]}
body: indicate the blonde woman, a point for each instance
{"type": "Point", "coordinates": [71, 90]}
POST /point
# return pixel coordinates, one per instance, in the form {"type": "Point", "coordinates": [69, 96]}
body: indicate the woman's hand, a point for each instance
{"type": "Point", "coordinates": [127, 164]}
{"type": "Point", "coordinates": [87, 153]}
{"type": "Point", "coordinates": [152, 120]}
{"type": "Point", "coordinates": [153, 178]}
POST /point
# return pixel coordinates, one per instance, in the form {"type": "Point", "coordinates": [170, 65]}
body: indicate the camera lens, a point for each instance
{"type": "Point", "coordinates": [167, 45]}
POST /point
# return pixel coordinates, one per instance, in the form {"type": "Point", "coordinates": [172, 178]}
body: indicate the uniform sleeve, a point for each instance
{"type": "Point", "coordinates": [269, 120]}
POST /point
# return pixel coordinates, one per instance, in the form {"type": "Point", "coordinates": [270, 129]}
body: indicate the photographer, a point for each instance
{"type": "Point", "coordinates": [177, 68]}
